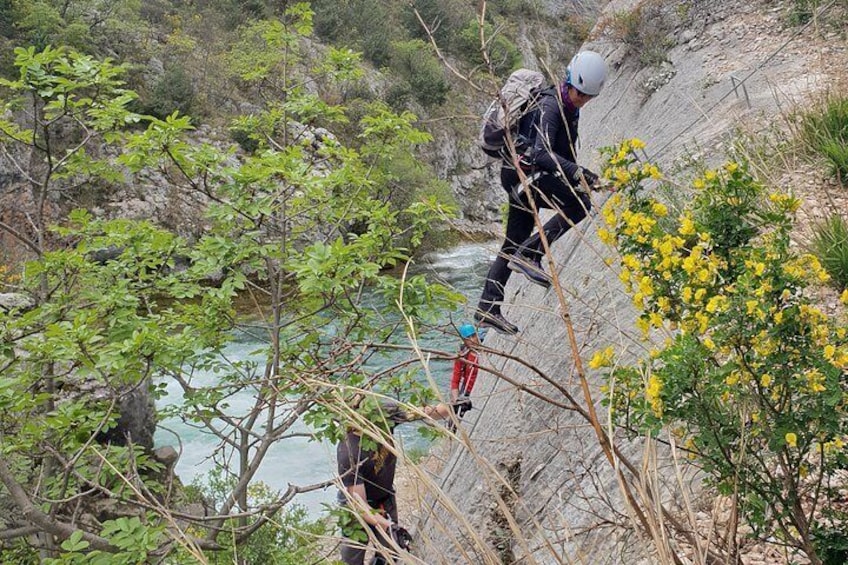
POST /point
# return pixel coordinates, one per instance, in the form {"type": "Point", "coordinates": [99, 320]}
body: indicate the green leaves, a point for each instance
{"type": "Point", "coordinates": [75, 543]}
{"type": "Point", "coordinates": [133, 538]}
{"type": "Point", "coordinates": [382, 129]}
{"type": "Point", "coordinates": [304, 229]}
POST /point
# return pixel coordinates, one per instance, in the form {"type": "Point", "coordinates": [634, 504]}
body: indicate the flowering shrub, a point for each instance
{"type": "Point", "coordinates": [752, 378]}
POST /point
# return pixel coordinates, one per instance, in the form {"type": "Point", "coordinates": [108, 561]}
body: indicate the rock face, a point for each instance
{"type": "Point", "coordinates": [535, 464]}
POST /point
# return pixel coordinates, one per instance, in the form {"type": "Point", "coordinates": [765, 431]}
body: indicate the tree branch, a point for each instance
{"type": "Point", "coordinates": [41, 520]}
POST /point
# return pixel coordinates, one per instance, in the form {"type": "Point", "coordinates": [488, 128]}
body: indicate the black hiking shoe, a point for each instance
{"type": "Point", "coordinates": [530, 268]}
{"type": "Point", "coordinates": [496, 321]}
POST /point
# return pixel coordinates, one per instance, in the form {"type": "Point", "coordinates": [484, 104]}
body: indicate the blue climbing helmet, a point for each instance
{"type": "Point", "coordinates": [466, 331]}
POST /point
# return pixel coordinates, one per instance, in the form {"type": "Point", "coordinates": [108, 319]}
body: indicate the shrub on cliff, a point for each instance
{"type": "Point", "coordinates": [750, 379]}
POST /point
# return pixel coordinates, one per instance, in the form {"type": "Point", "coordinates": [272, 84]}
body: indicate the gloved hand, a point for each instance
{"type": "Point", "coordinates": [401, 537]}
{"type": "Point", "coordinates": [590, 177]}
{"type": "Point", "coordinates": [462, 405]}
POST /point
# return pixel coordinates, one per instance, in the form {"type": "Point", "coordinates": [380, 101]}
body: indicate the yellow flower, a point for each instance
{"type": "Point", "coordinates": [652, 394]}
{"type": "Point", "coordinates": [764, 289]}
{"type": "Point", "coordinates": [756, 266]}
{"type": "Point", "coordinates": [785, 201]}
{"type": "Point", "coordinates": [710, 175]}
{"type": "Point", "coordinates": [656, 319]}
{"type": "Point", "coordinates": [654, 172]}
{"type": "Point", "coordinates": [646, 286]}
{"type": "Point", "coordinates": [698, 184]}
{"type": "Point", "coordinates": [815, 380]}
{"type": "Point", "coordinates": [630, 261]}
{"type": "Point", "coordinates": [714, 304]}
{"type": "Point", "coordinates": [624, 275]}
{"type": "Point", "coordinates": [610, 218]}
{"type": "Point", "coordinates": [841, 359]}
{"type": "Point", "coordinates": [765, 380]}
{"type": "Point", "coordinates": [687, 226]}
{"type": "Point", "coordinates": [844, 297]}
{"type": "Point", "coordinates": [829, 352]}
{"type": "Point", "coordinates": [659, 209]}
{"type": "Point", "coordinates": [605, 236]}
{"type": "Point", "coordinates": [752, 306]}
{"type": "Point", "coordinates": [622, 175]}
{"type": "Point", "coordinates": [637, 143]}
{"type": "Point", "coordinates": [791, 439]}
{"type": "Point", "coordinates": [709, 343]}
{"type": "Point", "coordinates": [602, 358]}
{"type": "Point", "coordinates": [731, 167]}
{"type": "Point", "coordinates": [703, 321]}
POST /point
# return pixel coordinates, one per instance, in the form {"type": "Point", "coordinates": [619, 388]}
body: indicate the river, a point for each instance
{"type": "Point", "coordinates": [301, 461]}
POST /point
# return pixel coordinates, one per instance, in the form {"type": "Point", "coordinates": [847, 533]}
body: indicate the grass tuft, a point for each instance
{"type": "Point", "coordinates": [825, 131]}
{"type": "Point", "coordinates": [830, 244]}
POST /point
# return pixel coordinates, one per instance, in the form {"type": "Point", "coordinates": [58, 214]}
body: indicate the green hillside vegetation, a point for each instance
{"type": "Point", "coordinates": [193, 43]}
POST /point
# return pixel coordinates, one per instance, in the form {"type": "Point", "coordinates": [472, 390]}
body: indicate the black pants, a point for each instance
{"type": "Point", "coordinates": [571, 207]}
{"type": "Point", "coordinates": [353, 553]}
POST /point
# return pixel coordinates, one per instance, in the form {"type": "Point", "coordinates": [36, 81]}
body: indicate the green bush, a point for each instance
{"type": "Point", "coordinates": [7, 19]}
{"type": "Point", "coordinates": [398, 95]}
{"type": "Point", "coordinates": [644, 30]}
{"type": "Point", "coordinates": [173, 93]}
{"type": "Point", "coordinates": [825, 131]}
{"type": "Point", "coordinates": [368, 26]}
{"type": "Point", "coordinates": [751, 378]}
{"type": "Point", "coordinates": [402, 180]}
{"type": "Point", "coordinates": [414, 62]}
{"type": "Point", "coordinates": [290, 537]}
{"type": "Point", "coordinates": [245, 140]}
{"type": "Point", "coordinates": [833, 544]}
{"type": "Point", "coordinates": [501, 52]}
{"type": "Point", "coordinates": [802, 11]}
{"type": "Point", "coordinates": [41, 23]}
{"type": "Point", "coordinates": [444, 18]}
{"type": "Point", "coordinates": [830, 245]}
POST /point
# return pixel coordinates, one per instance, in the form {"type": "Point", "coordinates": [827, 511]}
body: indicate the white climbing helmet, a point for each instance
{"type": "Point", "coordinates": [587, 72]}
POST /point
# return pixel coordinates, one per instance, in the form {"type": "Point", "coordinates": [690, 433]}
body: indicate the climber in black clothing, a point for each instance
{"type": "Point", "coordinates": [367, 474]}
{"type": "Point", "coordinates": [554, 181]}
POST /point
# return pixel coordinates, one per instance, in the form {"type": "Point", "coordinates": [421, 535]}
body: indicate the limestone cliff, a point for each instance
{"type": "Point", "coordinates": [531, 457]}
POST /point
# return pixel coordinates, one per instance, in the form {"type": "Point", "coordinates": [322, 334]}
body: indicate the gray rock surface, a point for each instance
{"type": "Point", "coordinates": [15, 301]}
{"type": "Point", "coordinates": [541, 460]}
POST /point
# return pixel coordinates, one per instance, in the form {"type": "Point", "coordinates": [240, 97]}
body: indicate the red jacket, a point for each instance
{"type": "Point", "coordinates": [464, 371]}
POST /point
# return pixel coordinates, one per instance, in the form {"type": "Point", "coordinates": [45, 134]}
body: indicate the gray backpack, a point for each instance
{"type": "Point", "coordinates": [517, 97]}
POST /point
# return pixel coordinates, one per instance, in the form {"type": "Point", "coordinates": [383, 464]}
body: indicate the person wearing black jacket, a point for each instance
{"type": "Point", "coordinates": [367, 475]}
{"type": "Point", "coordinates": [554, 181]}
